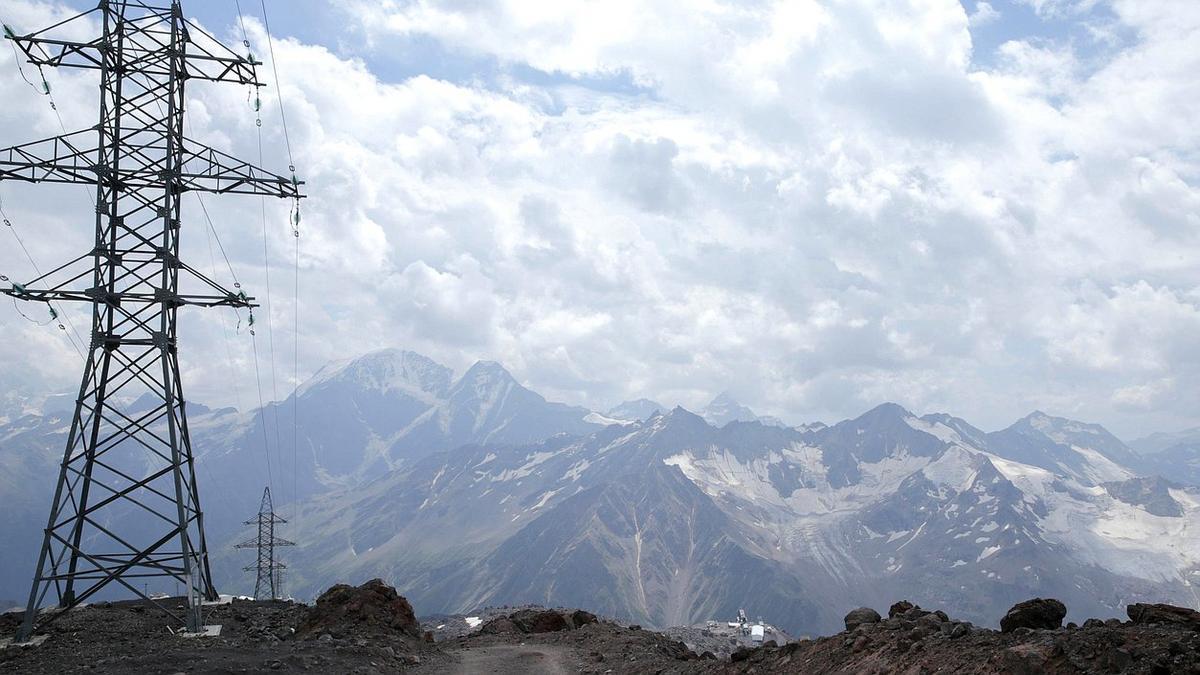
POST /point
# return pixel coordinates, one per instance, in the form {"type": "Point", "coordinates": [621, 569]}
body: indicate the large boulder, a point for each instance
{"type": "Point", "coordinates": [581, 618]}
{"type": "Point", "coordinates": [372, 608]}
{"type": "Point", "coordinates": [1168, 614]}
{"type": "Point", "coordinates": [899, 608]}
{"type": "Point", "coordinates": [1039, 613]}
{"type": "Point", "coordinates": [540, 621]}
{"type": "Point", "coordinates": [499, 626]}
{"type": "Point", "coordinates": [860, 616]}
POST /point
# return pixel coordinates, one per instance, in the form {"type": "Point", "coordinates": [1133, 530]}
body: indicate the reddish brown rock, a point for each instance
{"type": "Point", "coordinates": [1164, 614]}
{"type": "Point", "coordinates": [373, 607]}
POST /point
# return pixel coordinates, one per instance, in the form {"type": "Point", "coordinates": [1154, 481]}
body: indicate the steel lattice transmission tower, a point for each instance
{"type": "Point", "coordinates": [268, 568]}
{"type": "Point", "coordinates": [126, 508]}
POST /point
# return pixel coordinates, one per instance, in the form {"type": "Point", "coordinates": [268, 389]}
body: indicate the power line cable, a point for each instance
{"type": "Point", "coordinates": [56, 309]}
{"type": "Point", "coordinates": [294, 218]}
{"type": "Point", "coordinates": [210, 233]}
{"type": "Point", "coordinates": [266, 270]}
{"type": "Point", "coordinates": [295, 222]}
{"type": "Point", "coordinates": [262, 411]}
{"type": "Point", "coordinates": [45, 90]}
{"type": "Point", "coordinates": [278, 86]}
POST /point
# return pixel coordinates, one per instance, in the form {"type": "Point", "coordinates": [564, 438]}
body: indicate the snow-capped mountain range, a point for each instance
{"type": "Point", "coordinates": [473, 491]}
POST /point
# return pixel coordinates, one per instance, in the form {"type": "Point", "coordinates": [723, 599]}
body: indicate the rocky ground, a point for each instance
{"type": "Point", "coordinates": [370, 629]}
{"type": "Point", "coordinates": [133, 637]}
{"type": "Point", "coordinates": [1158, 640]}
{"type": "Point", "coordinates": [721, 639]}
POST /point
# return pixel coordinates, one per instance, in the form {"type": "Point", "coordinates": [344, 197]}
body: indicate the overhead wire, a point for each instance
{"type": "Point", "coordinates": [294, 222]}
{"type": "Point", "coordinates": [45, 88]}
{"type": "Point", "coordinates": [278, 87]}
{"type": "Point", "coordinates": [211, 233]}
{"type": "Point", "coordinates": [267, 287]}
{"type": "Point", "coordinates": [55, 308]}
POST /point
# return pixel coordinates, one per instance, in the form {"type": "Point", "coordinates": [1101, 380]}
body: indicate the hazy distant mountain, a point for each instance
{"type": "Point", "coordinates": [1173, 455]}
{"type": "Point", "coordinates": [1085, 452]}
{"type": "Point", "coordinates": [1158, 442]}
{"type": "Point", "coordinates": [633, 411]}
{"type": "Point", "coordinates": [725, 409]}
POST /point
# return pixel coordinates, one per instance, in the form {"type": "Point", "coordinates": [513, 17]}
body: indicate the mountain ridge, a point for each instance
{"type": "Point", "coordinates": [476, 489]}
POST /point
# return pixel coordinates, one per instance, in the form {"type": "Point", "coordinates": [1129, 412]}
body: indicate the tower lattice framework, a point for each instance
{"type": "Point", "coordinates": [267, 567]}
{"type": "Point", "coordinates": [126, 508]}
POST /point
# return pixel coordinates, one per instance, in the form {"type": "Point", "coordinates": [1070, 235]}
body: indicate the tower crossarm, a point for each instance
{"type": "Point", "coordinates": [89, 295]}
{"type": "Point", "coordinates": [205, 58]}
{"type": "Point", "coordinates": [39, 290]}
{"type": "Point", "coordinates": [265, 519]}
{"type": "Point", "coordinates": [209, 170]}
{"type": "Point", "coordinates": [71, 159]}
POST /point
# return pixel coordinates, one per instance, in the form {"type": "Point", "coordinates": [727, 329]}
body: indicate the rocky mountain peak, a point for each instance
{"type": "Point", "coordinates": [637, 409]}
{"type": "Point", "coordinates": [1059, 428]}
{"type": "Point", "coordinates": [1087, 452]}
{"type": "Point", "coordinates": [885, 412]}
{"type": "Point", "coordinates": [680, 416]}
{"type": "Point", "coordinates": [1151, 493]}
{"type": "Point", "coordinates": [487, 371]}
{"type": "Point", "coordinates": [725, 409]}
{"type": "Point", "coordinates": [384, 370]}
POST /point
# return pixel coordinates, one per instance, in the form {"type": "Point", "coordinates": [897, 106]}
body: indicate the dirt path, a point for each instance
{"type": "Point", "coordinates": [504, 659]}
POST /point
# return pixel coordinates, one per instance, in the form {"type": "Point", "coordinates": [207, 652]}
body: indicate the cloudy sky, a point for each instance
{"type": "Point", "coordinates": [818, 205]}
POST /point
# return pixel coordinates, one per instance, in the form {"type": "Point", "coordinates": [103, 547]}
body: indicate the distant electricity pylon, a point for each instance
{"type": "Point", "coordinates": [141, 165]}
{"type": "Point", "coordinates": [270, 570]}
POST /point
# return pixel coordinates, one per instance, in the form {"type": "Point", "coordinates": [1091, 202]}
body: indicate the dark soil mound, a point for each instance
{"type": "Point", "coordinates": [545, 621]}
{"type": "Point", "coordinates": [532, 621]}
{"type": "Point", "coordinates": [371, 608]}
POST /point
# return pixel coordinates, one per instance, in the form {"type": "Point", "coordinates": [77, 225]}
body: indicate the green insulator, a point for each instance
{"type": "Point", "coordinates": [251, 321]}
{"type": "Point", "coordinates": [45, 87]}
{"type": "Point", "coordinates": [53, 314]}
{"type": "Point", "coordinates": [19, 288]}
{"type": "Point", "coordinates": [8, 31]}
{"type": "Point", "coordinates": [296, 218]}
{"type": "Point", "coordinates": [257, 103]}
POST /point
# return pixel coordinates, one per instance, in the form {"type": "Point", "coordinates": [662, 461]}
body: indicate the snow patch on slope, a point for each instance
{"type": "Point", "coordinates": [936, 429]}
{"type": "Point", "coordinates": [597, 418]}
